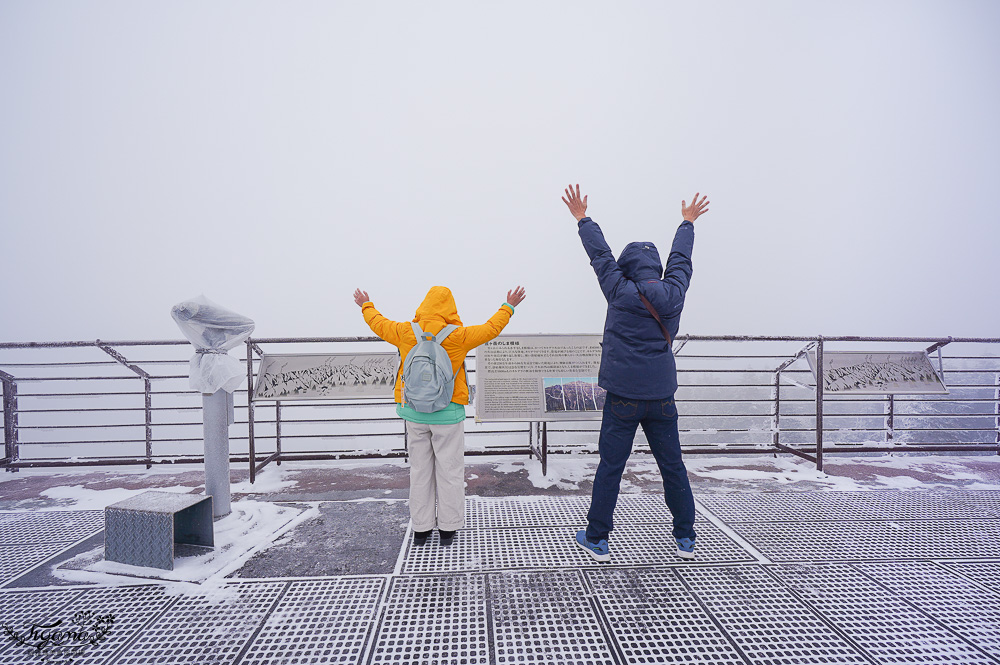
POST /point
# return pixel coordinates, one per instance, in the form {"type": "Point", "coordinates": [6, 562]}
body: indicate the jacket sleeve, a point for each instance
{"type": "Point", "coordinates": [473, 336]}
{"type": "Point", "coordinates": [677, 275]}
{"type": "Point", "coordinates": [390, 331]}
{"type": "Point", "coordinates": [609, 275]}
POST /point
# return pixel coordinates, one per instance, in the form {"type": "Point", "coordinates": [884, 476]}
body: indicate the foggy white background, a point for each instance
{"type": "Point", "coordinates": [275, 156]}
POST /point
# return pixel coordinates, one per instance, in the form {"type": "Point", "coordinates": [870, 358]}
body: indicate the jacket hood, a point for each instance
{"type": "Point", "coordinates": [640, 260]}
{"type": "Point", "coordinates": [439, 305]}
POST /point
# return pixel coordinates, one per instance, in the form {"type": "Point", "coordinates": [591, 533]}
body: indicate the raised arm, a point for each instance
{"type": "Point", "coordinates": [473, 336]}
{"type": "Point", "coordinates": [609, 274]}
{"type": "Point", "coordinates": [390, 331]}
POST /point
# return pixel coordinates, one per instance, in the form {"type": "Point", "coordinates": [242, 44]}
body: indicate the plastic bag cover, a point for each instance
{"type": "Point", "coordinates": [213, 330]}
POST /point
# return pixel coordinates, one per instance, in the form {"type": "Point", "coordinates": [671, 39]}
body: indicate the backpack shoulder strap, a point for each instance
{"type": "Point", "coordinates": [417, 332]}
{"type": "Point", "coordinates": [447, 330]}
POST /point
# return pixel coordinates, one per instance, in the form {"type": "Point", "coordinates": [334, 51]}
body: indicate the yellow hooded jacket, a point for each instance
{"type": "Point", "coordinates": [436, 311]}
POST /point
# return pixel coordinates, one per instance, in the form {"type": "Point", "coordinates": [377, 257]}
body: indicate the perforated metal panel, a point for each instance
{"type": "Point", "coordinates": [847, 541]}
{"type": "Point", "coordinates": [983, 572]}
{"type": "Point", "coordinates": [504, 549]}
{"type": "Point", "coordinates": [765, 620]}
{"type": "Point", "coordinates": [51, 527]}
{"type": "Point", "coordinates": [561, 511]}
{"type": "Point", "coordinates": [16, 560]}
{"type": "Point", "coordinates": [885, 626]}
{"type": "Point", "coordinates": [965, 608]}
{"type": "Point", "coordinates": [987, 500]}
{"type": "Point", "coordinates": [844, 506]}
{"type": "Point", "coordinates": [545, 618]}
{"type": "Point", "coordinates": [319, 621]}
{"type": "Point", "coordinates": [210, 628]}
{"type": "Point", "coordinates": [655, 619]}
{"type": "Point", "coordinates": [20, 609]}
{"type": "Point", "coordinates": [434, 619]}
{"type": "Point", "coordinates": [133, 608]}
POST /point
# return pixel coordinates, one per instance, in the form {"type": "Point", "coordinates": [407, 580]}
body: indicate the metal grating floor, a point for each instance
{"type": "Point", "coordinates": [764, 620]}
{"type": "Point", "coordinates": [655, 619]}
{"type": "Point", "coordinates": [965, 608]}
{"type": "Point", "coordinates": [51, 527]}
{"type": "Point", "coordinates": [545, 618]}
{"type": "Point", "coordinates": [478, 550]}
{"type": "Point", "coordinates": [885, 626]}
{"type": "Point", "coordinates": [861, 577]}
{"type": "Point", "coordinates": [851, 541]}
{"type": "Point", "coordinates": [210, 628]}
{"type": "Point", "coordinates": [841, 506]}
{"type": "Point", "coordinates": [319, 621]}
{"type": "Point", "coordinates": [561, 511]}
{"type": "Point", "coordinates": [433, 620]}
{"type": "Point", "coordinates": [15, 560]}
{"type": "Point", "coordinates": [987, 500]}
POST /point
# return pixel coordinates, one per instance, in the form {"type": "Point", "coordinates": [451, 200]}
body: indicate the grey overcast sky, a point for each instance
{"type": "Point", "coordinates": [277, 155]}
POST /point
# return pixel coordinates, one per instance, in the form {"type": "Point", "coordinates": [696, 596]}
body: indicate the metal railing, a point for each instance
{"type": "Point", "coordinates": [128, 402]}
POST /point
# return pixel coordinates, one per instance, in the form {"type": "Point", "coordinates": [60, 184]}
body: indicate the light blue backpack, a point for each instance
{"type": "Point", "coordinates": [428, 382]}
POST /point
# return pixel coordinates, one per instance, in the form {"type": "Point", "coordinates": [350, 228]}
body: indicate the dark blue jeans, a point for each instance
{"type": "Point", "coordinates": [658, 418]}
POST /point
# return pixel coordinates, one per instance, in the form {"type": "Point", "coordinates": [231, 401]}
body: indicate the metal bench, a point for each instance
{"type": "Point", "coordinates": [143, 530]}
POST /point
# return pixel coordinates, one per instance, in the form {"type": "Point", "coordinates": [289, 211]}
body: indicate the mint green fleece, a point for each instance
{"type": "Point", "coordinates": [449, 415]}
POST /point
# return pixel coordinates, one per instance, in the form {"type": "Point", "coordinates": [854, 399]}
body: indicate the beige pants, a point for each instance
{"type": "Point", "coordinates": [437, 473]}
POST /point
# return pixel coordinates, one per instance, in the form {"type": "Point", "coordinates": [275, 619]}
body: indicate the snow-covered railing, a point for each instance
{"type": "Point", "coordinates": [128, 402]}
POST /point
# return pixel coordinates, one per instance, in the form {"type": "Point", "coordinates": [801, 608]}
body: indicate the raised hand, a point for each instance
{"type": "Point", "coordinates": [515, 297]}
{"type": "Point", "coordinates": [577, 206]}
{"type": "Point", "coordinates": [361, 297]}
{"type": "Point", "coordinates": [695, 210]}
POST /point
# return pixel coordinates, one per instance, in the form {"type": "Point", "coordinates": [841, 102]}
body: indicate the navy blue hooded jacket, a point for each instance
{"type": "Point", "coordinates": [636, 360]}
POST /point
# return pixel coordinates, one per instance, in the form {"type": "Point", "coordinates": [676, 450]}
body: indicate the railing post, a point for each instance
{"type": "Point", "coordinates": [149, 422]}
{"type": "Point", "coordinates": [889, 414]}
{"type": "Point", "coordinates": [820, 376]}
{"type": "Point", "coordinates": [776, 420]}
{"type": "Point", "coordinates": [998, 412]}
{"type": "Point", "coordinates": [147, 394]}
{"type": "Point", "coordinates": [250, 440]}
{"type": "Point", "coordinates": [277, 429]}
{"type": "Point", "coordinates": [10, 448]}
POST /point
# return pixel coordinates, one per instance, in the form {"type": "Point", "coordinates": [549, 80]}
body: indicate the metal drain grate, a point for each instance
{"type": "Point", "coordinates": [318, 621]}
{"type": "Point", "coordinates": [764, 620]}
{"type": "Point", "coordinates": [434, 619]}
{"type": "Point", "coordinates": [132, 607]}
{"type": "Point", "coordinates": [51, 527]}
{"type": "Point", "coordinates": [845, 506]}
{"type": "Point", "coordinates": [205, 628]}
{"type": "Point", "coordinates": [655, 619]}
{"type": "Point", "coordinates": [16, 560]}
{"type": "Point", "coordinates": [881, 623]}
{"type": "Point", "coordinates": [968, 610]}
{"type": "Point", "coordinates": [555, 547]}
{"type": "Point", "coordinates": [20, 609]}
{"type": "Point", "coordinates": [984, 573]}
{"type": "Point", "coordinates": [847, 541]}
{"type": "Point", "coordinates": [561, 511]}
{"type": "Point", "coordinates": [545, 618]}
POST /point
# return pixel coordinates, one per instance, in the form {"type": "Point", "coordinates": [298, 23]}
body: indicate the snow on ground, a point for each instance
{"type": "Point", "coordinates": [79, 497]}
{"type": "Point", "coordinates": [251, 527]}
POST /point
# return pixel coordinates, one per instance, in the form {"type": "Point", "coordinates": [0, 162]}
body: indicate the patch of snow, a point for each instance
{"type": "Point", "coordinates": [79, 497]}
{"type": "Point", "coordinates": [270, 480]}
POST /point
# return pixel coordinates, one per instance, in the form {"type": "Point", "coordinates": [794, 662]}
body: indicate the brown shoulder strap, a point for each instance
{"type": "Point", "coordinates": [649, 306]}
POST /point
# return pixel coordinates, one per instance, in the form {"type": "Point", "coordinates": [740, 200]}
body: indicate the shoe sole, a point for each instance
{"type": "Point", "coordinates": [685, 555]}
{"type": "Point", "coordinates": [601, 558]}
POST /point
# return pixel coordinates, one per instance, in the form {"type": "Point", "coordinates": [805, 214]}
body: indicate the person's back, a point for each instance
{"type": "Point", "coordinates": [436, 439]}
{"type": "Point", "coordinates": [638, 370]}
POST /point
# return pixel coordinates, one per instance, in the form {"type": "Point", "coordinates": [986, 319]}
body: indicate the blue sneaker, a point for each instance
{"type": "Point", "coordinates": [599, 550]}
{"type": "Point", "coordinates": [685, 548]}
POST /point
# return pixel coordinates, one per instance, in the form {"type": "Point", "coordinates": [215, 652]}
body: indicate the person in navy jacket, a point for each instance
{"type": "Point", "coordinates": [638, 370]}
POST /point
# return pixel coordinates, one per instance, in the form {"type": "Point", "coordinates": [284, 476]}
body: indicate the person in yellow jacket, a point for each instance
{"type": "Point", "coordinates": [436, 441]}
